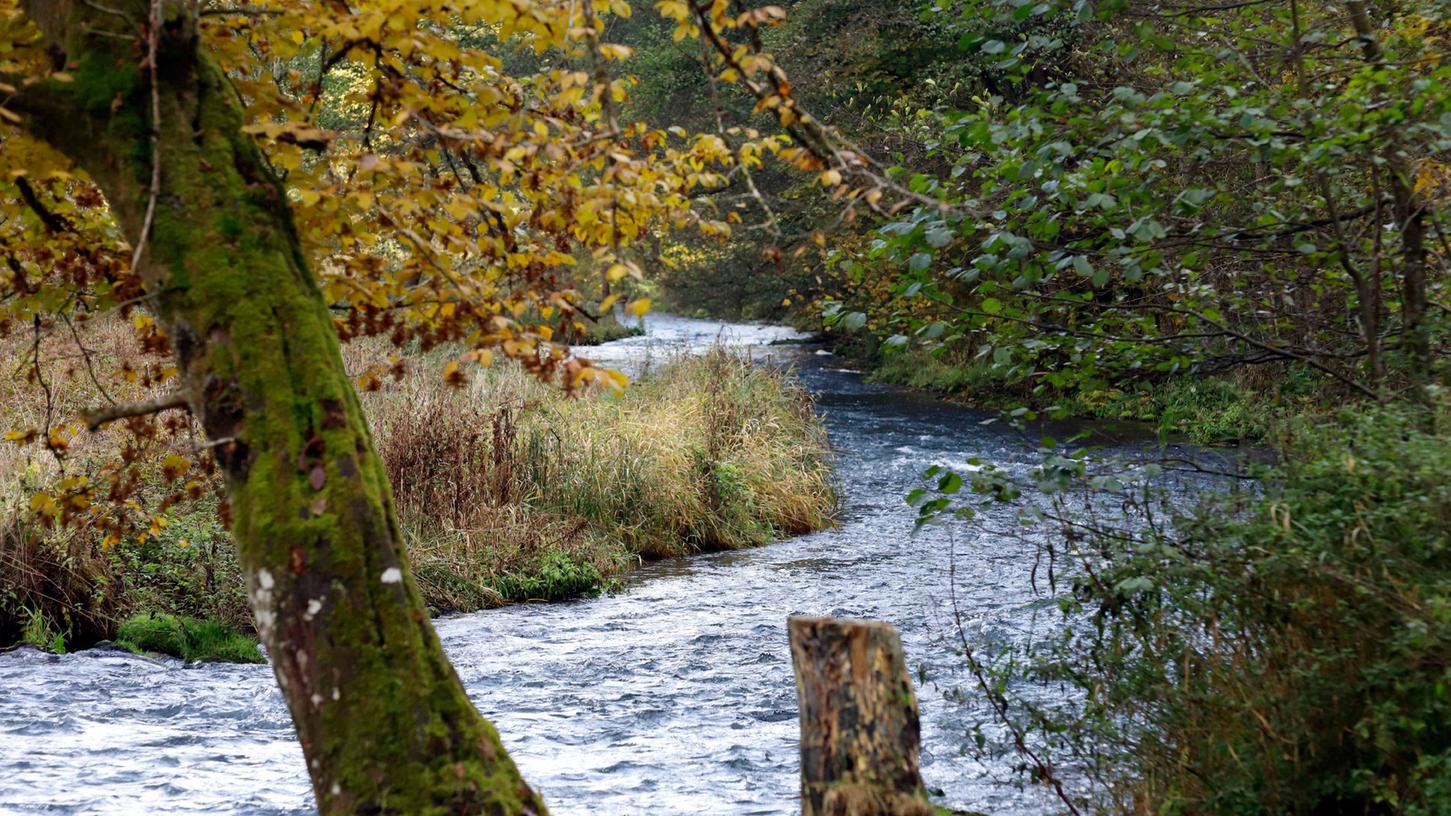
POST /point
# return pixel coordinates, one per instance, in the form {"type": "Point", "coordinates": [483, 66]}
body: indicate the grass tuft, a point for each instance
{"type": "Point", "coordinates": [561, 493]}
{"type": "Point", "coordinates": [187, 638]}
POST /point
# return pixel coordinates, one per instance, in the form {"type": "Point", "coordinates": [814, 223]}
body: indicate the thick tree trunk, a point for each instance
{"type": "Point", "coordinates": [384, 722]}
{"type": "Point", "coordinates": [859, 728]}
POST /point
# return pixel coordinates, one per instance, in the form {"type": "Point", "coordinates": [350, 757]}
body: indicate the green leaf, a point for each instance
{"type": "Point", "coordinates": [949, 484]}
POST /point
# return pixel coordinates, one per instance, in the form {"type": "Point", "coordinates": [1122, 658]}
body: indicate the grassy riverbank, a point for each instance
{"type": "Point", "coordinates": [507, 489]}
{"type": "Point", "coordinates": [1219, 409]}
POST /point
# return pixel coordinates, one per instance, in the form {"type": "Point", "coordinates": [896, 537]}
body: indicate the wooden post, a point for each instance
{"type": "Point", "coordinates": [860, 736]}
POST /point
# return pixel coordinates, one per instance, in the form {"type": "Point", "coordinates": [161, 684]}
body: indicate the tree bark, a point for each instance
{"type": "Point", "coordinates": [384, 722]}
{"type": "Point", "coordinates": [860, 736]}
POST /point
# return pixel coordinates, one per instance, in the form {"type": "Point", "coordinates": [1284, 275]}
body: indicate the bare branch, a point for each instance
{"type": "Point", "coordinates": [86, 356]}
{"type": "Point", "coordinates": [243, 11]}
{"type": "Point", "coordinates": [95, 419]}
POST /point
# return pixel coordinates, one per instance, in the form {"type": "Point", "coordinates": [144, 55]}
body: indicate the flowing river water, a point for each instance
{"type": "Point", "coordinates": [673, 696]}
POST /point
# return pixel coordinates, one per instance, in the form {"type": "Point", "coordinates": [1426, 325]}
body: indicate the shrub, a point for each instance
{"type": "Point", "coordinates": [1279, 652]}
{"type": "Point", "coordinates": [54, 588]}
{"type": "Point", "coordinates": [188, 568]}
{"type": "Point", "coordinates": [187, 638]}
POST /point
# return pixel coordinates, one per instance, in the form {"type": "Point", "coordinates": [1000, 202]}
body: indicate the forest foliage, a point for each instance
{"type": "Point", "coordinates": [1060, 200]}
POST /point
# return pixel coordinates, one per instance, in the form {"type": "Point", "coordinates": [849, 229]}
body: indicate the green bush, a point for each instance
{"type": "Point", "coordinates": [189, 568]}
{"type": "Point", "coordinates": [187, 638]}
{"type": "Point", "coordinates": [1279, 652]}
{"type": "Point", "coordinates": [554, 577]}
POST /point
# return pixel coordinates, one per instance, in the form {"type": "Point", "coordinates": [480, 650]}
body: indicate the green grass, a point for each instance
{"type": "Point", "coordinates": [40, 633]}
{"type": "Point", "coordinates": [187, 638]}
{"type": "Point", "coordinates": [555, 577]}
{"type": "Point", "coordinates": [928, 373]}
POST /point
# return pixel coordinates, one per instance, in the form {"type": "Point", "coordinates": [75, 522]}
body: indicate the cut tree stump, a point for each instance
{"type": "Point", "coordinates": [860, 736]}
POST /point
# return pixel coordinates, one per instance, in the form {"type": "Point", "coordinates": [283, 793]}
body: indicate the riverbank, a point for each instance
{"type": "Point", "coordinates": [508, 491]}
{"type": "Point", "coordinates": [1214, 410]}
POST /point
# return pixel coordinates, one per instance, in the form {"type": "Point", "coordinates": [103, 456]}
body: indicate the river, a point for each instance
{"type": "Point", "coordinates": [674, 696]}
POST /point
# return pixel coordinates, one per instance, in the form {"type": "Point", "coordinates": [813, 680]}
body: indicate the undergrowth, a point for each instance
{"type": "Point", "coordinates": [187, 638]}
{"type": "Point", "coordinates": [1221, 409]}
{"type": "Point", "coordinates": [1284, 650]}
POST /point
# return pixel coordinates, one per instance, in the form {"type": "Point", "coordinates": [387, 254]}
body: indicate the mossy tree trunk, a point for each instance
{"type": "Point", "coordinates": [860, 735]}
{"type": "Point", "coordinates": [384, 722]}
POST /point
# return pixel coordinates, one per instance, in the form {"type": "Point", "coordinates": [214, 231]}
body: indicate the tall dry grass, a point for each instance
{"type": "Point", "coordinates": [708, 453]}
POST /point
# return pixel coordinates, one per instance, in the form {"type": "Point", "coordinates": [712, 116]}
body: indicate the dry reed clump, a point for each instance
{"type": "Point", "coordinates": [454, 463]}
{"type": "Point", "coordinates": [55, 590]}
{"type": "Point", "coordinates": [706, 453]}
{"type": "Point", "coordinates": [563, 492]}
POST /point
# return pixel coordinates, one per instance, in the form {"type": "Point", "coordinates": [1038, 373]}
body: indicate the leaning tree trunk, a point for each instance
{"type": "Point", "coordinates": [860, 735]}
{"type": "Point", "coordinates": [384, 722]}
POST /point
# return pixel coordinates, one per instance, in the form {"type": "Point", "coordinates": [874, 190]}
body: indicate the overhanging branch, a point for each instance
{"type": "Point", "coordinates": [101, 416]}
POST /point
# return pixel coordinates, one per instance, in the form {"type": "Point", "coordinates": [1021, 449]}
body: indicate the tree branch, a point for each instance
{"type": "Point", "coordinates": [52, 222]}
{"type": "Point", "coordinates": [153, 33]}
{"type": "Point", "coordinates": [101, 416]}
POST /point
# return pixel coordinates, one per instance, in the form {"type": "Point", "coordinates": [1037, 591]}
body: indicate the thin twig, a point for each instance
{"type": "Point", "coordinates": [153, 35]}
{"type": "Point", "coordinates": [998, 701]}
{"type": "Point", "coordinates": [49, 396]}
{"type": "Point", "coordinates": [86, 356]}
